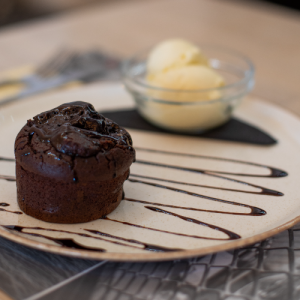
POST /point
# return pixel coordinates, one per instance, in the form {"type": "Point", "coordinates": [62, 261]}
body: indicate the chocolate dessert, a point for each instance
{"type": "Point", "coordinates": [71, 163]}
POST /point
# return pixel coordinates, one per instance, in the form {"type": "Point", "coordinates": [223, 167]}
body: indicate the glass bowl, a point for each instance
{"type": "Point", "coordinates": [191, 111]}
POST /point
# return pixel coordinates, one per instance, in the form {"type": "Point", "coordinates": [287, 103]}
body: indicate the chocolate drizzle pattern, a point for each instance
{"type": "Point", "coordinates": [4, 204]}
{"type": "Point", "coordinates": [156, 207]}
{"type": "Point", "coordinates": [12, 212]}
{"type": "Point", "coordinates": [263, 191]}
{"type": "Point", "coordinates": [231, 235]}
{"type": "Point", "coordinates": [8, 178]}
{"type": "Point", "coordinates": [147, 246]}
{"type": "Point", "coordinates": [274, 172]}
{"type": "Point", "coordinates": [255, 211]}
{"type": "Point", "coordinates": [6, 159]}
{"type": "Point", "coordinates": [69, 243]}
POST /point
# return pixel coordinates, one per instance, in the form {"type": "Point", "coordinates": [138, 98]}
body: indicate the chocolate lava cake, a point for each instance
{"type": "Point", "coordinates": [71, 163]}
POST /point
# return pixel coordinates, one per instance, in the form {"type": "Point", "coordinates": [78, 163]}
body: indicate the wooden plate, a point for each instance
{"type": "Point", "coordinates": [185, 196]}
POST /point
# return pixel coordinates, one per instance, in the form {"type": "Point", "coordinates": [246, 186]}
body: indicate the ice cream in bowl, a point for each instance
{"type": "Point", "coordinates": [181, 87]}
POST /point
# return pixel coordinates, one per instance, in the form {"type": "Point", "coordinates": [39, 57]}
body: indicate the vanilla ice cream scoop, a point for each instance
{"type": "Point", "coordinates": [179, 65]}
{"type": "Point", "coordinates": [188, 78]}
{"type": "Point", "coordinates": [174, 53]}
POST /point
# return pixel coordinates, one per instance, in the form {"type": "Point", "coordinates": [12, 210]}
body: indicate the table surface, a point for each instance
{"type": "Point", "coordinates": [269, 35]}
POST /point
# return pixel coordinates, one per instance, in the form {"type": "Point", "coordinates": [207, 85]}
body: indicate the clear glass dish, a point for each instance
{"type": "Point", "coordinates": [191, 111]}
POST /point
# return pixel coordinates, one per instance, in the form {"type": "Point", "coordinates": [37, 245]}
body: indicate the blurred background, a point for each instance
{"type": "Point", "coordinates": [15, 11]}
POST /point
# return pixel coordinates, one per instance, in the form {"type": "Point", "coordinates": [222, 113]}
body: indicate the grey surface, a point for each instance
{"type": "Point", "coordinates": [266, 270]}
{"type": "Point", "coordinates": [25, 271]}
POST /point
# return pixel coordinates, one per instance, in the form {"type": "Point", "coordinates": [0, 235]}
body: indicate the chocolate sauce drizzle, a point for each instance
{"type": "Point", "coordinates": [231, 235]}
{"type": "Point", "coordinates": [263, 191]}
{"type": "Point", "coordinates": [135, 178]}
{"type": "Point", "coordinates": [69, 243]}
{"type": "Point", "coordinates": [3, 204]}
{"type": "Point", "coordinates": [8, 178]}
{"type": "Point", "coordinates": [147, 246]}
{"type": "Point", "coordinates": [6, 158]}
{"type": "Point", "coordinates": [12, 212]}
{"type": "Point", "coordinates": [255, 211]}
{"type": "Point", "coordinates": [274, 172]}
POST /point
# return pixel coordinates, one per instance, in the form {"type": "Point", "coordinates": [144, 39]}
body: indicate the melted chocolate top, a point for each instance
{"type": "Point", "coordinates": [76, 128]}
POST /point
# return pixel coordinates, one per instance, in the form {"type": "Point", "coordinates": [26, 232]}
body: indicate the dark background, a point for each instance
{"type": "Point", "coordinates": [295, 4]}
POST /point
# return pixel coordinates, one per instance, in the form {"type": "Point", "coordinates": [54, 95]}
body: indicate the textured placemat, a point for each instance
{"type": "Point", "coordinates": [269, 270]}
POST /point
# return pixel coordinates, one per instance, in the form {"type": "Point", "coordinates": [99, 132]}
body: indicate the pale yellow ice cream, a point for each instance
{"type": "Point", "coordinates": [174, 53]}
{"type": "Point", "coordinates": [179, 65]}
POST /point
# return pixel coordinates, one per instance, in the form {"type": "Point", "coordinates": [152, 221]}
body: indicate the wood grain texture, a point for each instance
{"type": "Point", "coordinates": [267, 34]}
